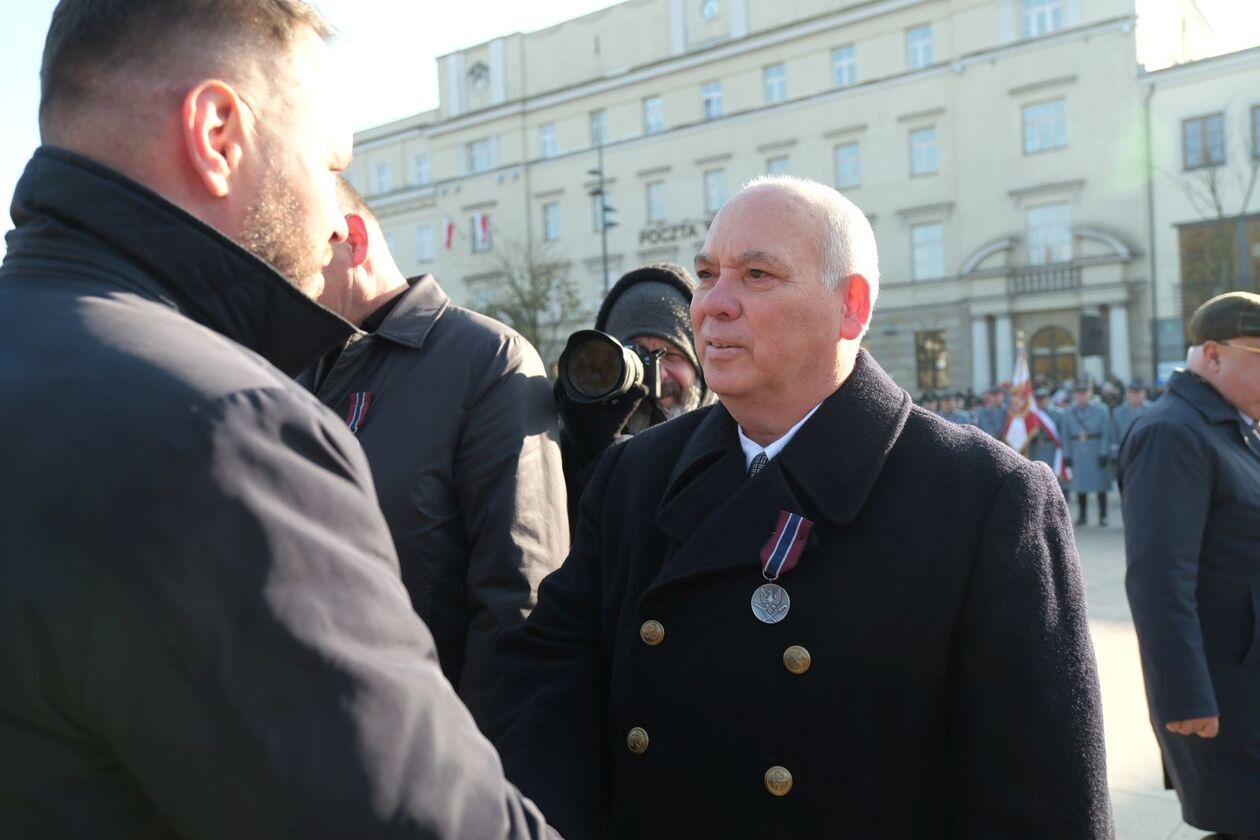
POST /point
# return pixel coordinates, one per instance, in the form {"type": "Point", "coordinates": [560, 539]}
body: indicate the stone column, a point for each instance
{"type": "Point", "coordinates": [1118, 342]}
{"type": "Point", "coordinates": [981, 366]}
{"type": "Point", "coordinates": [1004, 346]}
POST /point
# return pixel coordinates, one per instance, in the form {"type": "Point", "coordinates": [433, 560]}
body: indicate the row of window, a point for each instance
{"type": "Point", "coordinates": [1204, 142]}
{"type": "Point", "coordinates": [1044, 129]}
{"type": "Point", "coordinates": [1038, 17]}
{"type": "Point", "coordinates": [1049, 240]}
{"type": "Point", "coordinates": [1049, 236]}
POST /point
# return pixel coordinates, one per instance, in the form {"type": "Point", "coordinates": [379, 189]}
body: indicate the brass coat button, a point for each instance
{"type": "Point", "coordinates": [652, 633]}
{"type": "Point", "coordinates": [637, 740]}
{"type": "Point", "coordinates": [778, 780]}
{"type": "Point", "coordinates": [797, 659]}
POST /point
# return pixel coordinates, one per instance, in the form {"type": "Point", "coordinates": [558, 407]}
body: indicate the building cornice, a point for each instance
{"type": "Point", "coordinates": [1192, 71]}
{"type": "Point", "coordinates": [732, 49]}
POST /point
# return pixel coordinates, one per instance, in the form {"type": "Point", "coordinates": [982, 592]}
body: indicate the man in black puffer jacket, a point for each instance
{"type": "Point", "coordinates": [202, 628]}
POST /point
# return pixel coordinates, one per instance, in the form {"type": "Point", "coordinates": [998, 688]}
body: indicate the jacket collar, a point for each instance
{"type": "Point", "coordinates": [826, 472]}
{"type": "Point", "coordinates": [415, 314]}
{"type": "Point", "coordinates": [1205, 399]}
{"type": "Point", "coordinates": [68, 208]}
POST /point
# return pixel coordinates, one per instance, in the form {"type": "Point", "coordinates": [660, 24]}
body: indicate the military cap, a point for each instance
{"type": "Point", "coordinates": [1231, 315]}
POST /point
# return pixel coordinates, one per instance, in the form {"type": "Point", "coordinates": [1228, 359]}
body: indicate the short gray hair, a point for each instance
{"type": "Point", "coordinates": [848, 245]}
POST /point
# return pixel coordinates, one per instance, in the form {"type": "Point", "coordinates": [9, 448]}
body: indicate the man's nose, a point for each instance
{"type": "Point", "coordinates": [720, 300]}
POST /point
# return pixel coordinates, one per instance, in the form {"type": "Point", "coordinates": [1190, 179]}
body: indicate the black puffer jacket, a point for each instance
{"type": "Point", "coordinates": [202, 628]}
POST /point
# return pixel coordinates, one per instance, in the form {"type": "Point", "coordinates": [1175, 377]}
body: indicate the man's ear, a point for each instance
{"type": "Point", "coordinates": [856, 293]}
{"type": "Point", "coordinates": [357, 239]}
{"type": "Point", "coordinates": [212, 121]}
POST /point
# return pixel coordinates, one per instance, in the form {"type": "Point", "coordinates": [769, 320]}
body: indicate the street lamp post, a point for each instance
{"type": "Point", "coordinates": [604, 221]}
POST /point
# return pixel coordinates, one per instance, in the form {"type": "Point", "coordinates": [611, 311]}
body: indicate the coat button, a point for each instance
{"type": "Point", "coordinates": [797, 659]}
{"type": "Point", "coordinates": [652, 633]}
{"type": "Point", "coordinates": [778, 780]}
{"type": "Point", "coordinates": [637, 740]}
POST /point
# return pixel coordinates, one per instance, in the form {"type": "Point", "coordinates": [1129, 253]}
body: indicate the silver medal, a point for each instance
{"type": "Point", "coordinates": [770, 603]}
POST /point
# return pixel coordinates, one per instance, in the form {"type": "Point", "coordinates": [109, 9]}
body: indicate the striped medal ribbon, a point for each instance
{"type": "Point", "coordinates": [360, 402]}
{"type": "Point", "coordinates": [771, 603]}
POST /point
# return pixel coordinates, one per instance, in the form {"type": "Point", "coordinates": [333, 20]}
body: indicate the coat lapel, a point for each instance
{"type": "Point", "coordinates": [719, 519]}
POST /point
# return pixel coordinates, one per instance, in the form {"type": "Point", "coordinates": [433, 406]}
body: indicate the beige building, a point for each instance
{"type": "Point", "coordinates": [1205, 210]}
{"type": "Point", "coordinates": [999, 148]}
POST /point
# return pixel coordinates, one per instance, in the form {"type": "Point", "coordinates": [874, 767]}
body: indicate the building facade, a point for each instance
{"type": "Point", "coordinates": [999, 147]}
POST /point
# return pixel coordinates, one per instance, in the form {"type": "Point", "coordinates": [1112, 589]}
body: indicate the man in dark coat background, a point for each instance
{"type": "Point", "coordinates": [455, 414]}
{"type": "Point", "coordinates": [203, 633]}
{"type": "Point", "coordinates": [680, 678]}
{"type": "Point", "coordinates": [1190, 484]}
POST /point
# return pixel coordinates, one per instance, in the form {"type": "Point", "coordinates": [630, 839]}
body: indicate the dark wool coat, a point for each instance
{"type": "Point", "coordinates": [202, 629]}
{"type": "Point", "coordinates": [952, 690]}
{"type": "Point", "coordinates": [460, 431]}
{"type": "Point", "coordinates": [1190, 486]}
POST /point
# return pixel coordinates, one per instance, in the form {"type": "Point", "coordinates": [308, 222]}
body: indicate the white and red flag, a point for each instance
{"type": "Point", "coordinates": [1025, 421]}
{"type": "Point", "coordinates": [448, 232]}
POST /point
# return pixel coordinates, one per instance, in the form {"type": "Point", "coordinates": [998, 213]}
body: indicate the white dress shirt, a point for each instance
{"type": "Point", "coordinates": [752, 449]}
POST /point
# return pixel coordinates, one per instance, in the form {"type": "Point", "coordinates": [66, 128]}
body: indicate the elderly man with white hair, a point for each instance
{"type": "Point", "coordinates": [782, 617]}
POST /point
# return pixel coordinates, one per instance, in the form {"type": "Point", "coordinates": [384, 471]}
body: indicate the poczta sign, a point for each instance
{"type": "Point", "coordinates": [659, 234]}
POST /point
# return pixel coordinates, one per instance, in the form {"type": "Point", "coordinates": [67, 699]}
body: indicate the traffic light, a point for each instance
{"type": "Point", "coordinates": [609, 221]}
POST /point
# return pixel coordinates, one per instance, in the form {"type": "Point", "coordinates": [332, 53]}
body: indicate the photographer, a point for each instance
{"type": "Point", "coordinates": [649, 307]}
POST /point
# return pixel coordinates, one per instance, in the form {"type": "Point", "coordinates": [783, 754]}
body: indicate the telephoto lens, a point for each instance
{"type": "Point", "coordinates": [595, 367]}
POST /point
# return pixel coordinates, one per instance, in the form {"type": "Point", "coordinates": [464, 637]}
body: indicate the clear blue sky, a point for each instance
{"type": "Point", "coordinates": [389, 41]}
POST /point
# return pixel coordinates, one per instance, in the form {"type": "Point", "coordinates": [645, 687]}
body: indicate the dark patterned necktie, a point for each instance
{"type": "Point", "coordinates": [758, 464]}
{"type": "Point", "coordinates": [1251, 437]}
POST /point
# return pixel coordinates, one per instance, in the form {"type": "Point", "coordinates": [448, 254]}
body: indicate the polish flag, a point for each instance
{"type": "Point", "coordinates": [1025, 421]}
{"type": "Point", "coordinates": [448, 232]}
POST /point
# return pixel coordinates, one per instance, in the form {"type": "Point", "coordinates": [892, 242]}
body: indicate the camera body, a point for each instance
{"type": "Point", "coordinates": [596, 367]}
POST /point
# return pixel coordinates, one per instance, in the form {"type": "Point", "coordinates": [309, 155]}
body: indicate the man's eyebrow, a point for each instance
{"type": "Point", "coordinates": [760, 257]}
{"type": "Point", "coordinates": [763, 258]}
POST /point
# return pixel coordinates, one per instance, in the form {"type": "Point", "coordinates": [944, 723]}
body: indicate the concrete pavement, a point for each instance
{"type": "Point", "coordinates": [1144, 810]}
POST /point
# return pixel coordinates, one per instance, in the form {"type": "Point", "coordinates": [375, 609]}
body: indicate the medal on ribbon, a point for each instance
{"type": "Point", "coordinates": [770, 603]}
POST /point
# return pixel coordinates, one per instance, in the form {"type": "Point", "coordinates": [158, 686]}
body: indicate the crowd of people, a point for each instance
{"type": "Point", "coordinates": [294, 546]}
{"type": "Point", "coordinates": [1079, 432]}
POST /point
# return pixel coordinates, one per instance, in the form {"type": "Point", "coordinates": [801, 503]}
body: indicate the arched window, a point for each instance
{"type": "Point", "coordinates": [1052, 354]}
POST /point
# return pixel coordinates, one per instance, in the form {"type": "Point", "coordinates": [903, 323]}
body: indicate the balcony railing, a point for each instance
{"type": "Point", "coordinates": [1044, 278]}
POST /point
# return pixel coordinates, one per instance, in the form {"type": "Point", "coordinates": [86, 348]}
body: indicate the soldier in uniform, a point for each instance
{"type": "Point", "coordinates": [991, 417]}
{"type": "Point", "coordinates": [951, 410]}
{"type": "Point", "coordinates": [1123, 416]}
{"type": "Point", "coordinates": [1043, 448]}
{"type": "Point", "coordinates": [1088, 434]}
{"type": "Point", "coordinates": [759, 633]}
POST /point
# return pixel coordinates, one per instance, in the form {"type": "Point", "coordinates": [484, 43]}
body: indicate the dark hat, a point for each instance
{"type": "Point", "coordinates": [1080, 386]}
{"type": "Point", "coordinates": [1137, 385]}
{"type": "Point", "coordinates": [1231, 315]}
{"type": "Point", "coordinates": [652, 300]}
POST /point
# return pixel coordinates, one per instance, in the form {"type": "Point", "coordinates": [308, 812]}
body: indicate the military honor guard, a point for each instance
{"type": "Point", "coordinates": [1088, 434]}
{"type": "Point", "coordinates": [1049, 448]}
{"type": "Point", "coordinates": [759, 631]}
{"type": "Point", "coordinates": [952, 410]}
{"type": "Point", "coordinates": [1123, 415]}
{"type": "Point", "coordinates": [991, 416]}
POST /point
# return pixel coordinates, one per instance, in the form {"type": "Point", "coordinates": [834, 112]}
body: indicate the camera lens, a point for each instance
{"type": "Point", "coordinates": [596, 368]}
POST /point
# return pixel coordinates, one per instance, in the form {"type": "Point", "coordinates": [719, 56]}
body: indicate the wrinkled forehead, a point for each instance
{"type": "Point", "coordinates": [765, 221]}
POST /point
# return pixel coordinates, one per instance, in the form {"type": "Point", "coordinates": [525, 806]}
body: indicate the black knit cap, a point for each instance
{"type": "Point", "coordinates": [652, 300]}
{"type": "Point", "coordinates": [1231, 315]}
